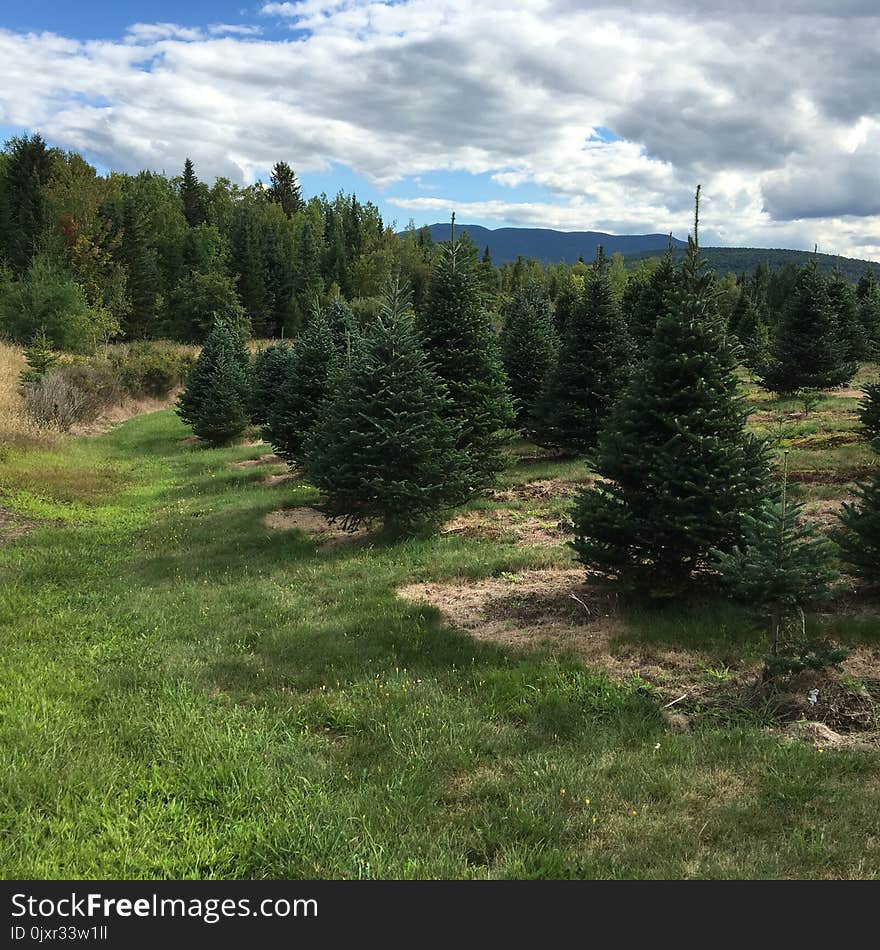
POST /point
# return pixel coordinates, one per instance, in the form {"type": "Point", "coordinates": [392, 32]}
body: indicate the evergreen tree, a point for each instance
{"type": "Point", "coordinates": [782, 565]}
{"type": "Point", "coordinates": [752, 332]}
{"type": "Point", "coordinates": [271, 367]}
{"type": "Point", "coordinates": [384, 449]}
{"type": "Point", "coordinates": [528, 350]}
{"type": "Point", "coordinates": [307, 283]}
{"type": "Point", "coordinates": [248, 264]}
{"type": "Point", "coordinates": [869, 410]}
{"type": "Point", "coordinates": [278, 276]}
{"type": "Point", "coordinates": [198, 300]}
{"type": "Point", "coordinates": [343, 326]}
{"type": "Point", "coordinates": [335, 265]}
{"type": "Point", "coordinates": [645, 301]}
{"type": "Point", "coordinates": [868, 296]}
{"type": "Point", "coordinates": [460, 342]}
{"type": "Point", "coordinates": [591, 370]}
{"type": "Point", "coordinates": [192, 194]}
{"type": "Point", "coordinates": [808, 352]}
{"type": "Point", "coordinates": [144, 280]}
{"type": "Point", "coordinates": [308, 377]}
{"type": "Point", "coordinates": [27, 169]}
{"type": "Point", "coordinates": [678, 470]}
{"type": "Point", "coordinates": [859, 539]}
{"type": "Point", "coordinates": [285, 190]}
{"type": "Point", "coordinates": [214, 400]}
{"type": "Point", "coordinates": [39, 356]}
{"type": "Point", "coordinates": [845, 307]}
{"type": "Point", "coordinates": [566, 299]}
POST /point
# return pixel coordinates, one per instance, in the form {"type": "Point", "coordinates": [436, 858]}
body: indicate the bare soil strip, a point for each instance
{"type": "Point", "coordinates": [315, 525]}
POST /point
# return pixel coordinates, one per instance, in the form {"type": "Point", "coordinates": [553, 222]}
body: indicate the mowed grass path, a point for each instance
{"type": "Point", "coordinates": [184, 693]}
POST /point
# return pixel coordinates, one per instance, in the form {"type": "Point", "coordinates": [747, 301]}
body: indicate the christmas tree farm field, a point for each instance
{"type": "Point", "coordinates": [189, 693]}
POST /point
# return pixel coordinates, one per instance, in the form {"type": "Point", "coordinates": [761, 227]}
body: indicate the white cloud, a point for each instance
{"type": "Point", "coordinates": [234, 29]}
{"type": "Point", "coordinates": [776, 115]}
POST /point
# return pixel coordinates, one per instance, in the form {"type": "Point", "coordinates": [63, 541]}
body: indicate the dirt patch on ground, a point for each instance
{"type": "Point", "coordinates": [847, 392]}
{"type": "Point", "coordinates": [13, 526]}
{"type": "Point", "coordinates": [502, 524]}
{"type": "Point", "coordinates": [836, 707]}
{"type": "Point", "coordinates": [268, 459]}
{"type": "Point", "coordinates": [557, 608]}
{"type": "Point", "coordinates": [316, 525]}
{"type": "Point", "coordinates": [282, 478]}
{"type": "Point", "coordinates": [541, 489]}
{"type": "Point", "coordinates": [838, 477]}
{"type": "Point", "coordinates": [826, 441]}
{"type": "Point", "coordinates": [824, 512]}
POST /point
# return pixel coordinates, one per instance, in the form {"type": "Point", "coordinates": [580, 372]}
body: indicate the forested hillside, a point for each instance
{"type": "Point", "coordinates": [741, 260]}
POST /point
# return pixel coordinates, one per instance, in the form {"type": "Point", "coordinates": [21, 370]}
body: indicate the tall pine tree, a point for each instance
{"type": "Point", "coordinates": [868, 296]}
{"type": "Point", "coordinates": [591, 370]}
{"type": "Point", "coordinates": [27, 169]}
{"type": "Point", "coordinates": [192, 194]}
{"type": "Point", "coordinates": [845, 307]}
{"type": "Point", "coordinates": [645, 301]}
{"type": "Point", "coordinates": [678, 471]}
{"type": "Point", "coordinates": [528, 350]}
{"type": "Point", "coordinates": [460, 343]}
{"type": "Point", "coordinates": [144, 279]}
{"type": "Point", "coordinates": [285, 190]}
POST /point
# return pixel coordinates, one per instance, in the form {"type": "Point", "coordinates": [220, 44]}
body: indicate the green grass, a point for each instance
{"type": "Point", "coordinates": [187, 694]}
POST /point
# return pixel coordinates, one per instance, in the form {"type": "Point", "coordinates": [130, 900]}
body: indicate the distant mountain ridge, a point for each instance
{"type": "Point", "coordinates": [551, 247]}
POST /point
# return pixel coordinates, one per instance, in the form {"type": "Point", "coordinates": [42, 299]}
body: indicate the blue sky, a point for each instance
{"type": "Point", "coordinates": [542, 113]}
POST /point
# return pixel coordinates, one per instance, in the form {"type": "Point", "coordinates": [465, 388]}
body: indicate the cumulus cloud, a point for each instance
{"type": "Point", "coordinates": [771, 106]}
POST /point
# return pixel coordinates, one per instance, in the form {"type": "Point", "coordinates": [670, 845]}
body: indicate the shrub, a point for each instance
{"type": "Point", "coordinates": [96, 379]}
{"type": "Point", "coordinates": [55, 401]}
{"type": "Point", "coordinates": [151, 369]}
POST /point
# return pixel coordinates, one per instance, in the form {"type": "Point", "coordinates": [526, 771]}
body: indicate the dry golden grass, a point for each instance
{"type": "Point", "coordinates": [16, 429]}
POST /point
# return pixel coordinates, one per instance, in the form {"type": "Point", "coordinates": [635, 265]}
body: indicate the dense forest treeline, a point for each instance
{"type": "Point", "coordinates": [90, 258]}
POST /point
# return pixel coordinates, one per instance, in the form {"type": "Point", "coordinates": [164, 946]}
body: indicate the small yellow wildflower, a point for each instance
{"type": "Point", "coordinates": [561, 791]}
{"type": "Point", "coordinates": [586, 801]}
